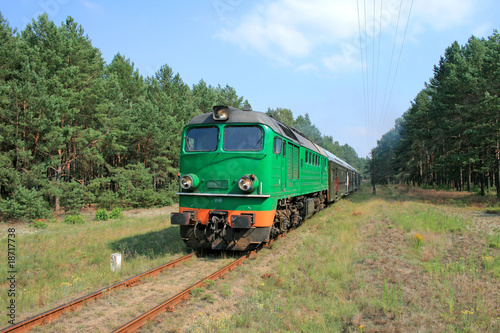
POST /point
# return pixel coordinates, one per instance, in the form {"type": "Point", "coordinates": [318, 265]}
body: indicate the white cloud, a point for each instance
{"type": "Point", "coordinates": [307, 68]}
{"type": "Point", "coordinates": [443, 14]}
{"type": "Point", "coordinates": [92, 7]}
{"type": "Point", "coordinates": [326, 33]}
{"type": "Point", "coordinates": [341, 62]}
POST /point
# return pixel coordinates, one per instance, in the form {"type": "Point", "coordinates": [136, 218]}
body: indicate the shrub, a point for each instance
{"type": "Point", "coordinates": [116, 213]}
{"type": "Point", "coordinates": [39, 224]}
{"type": "Point", "coordinates": [74, 219]}
{"type": "Point", "coordinates": [25, 203]}
{"type": "Point", "coordinates": [101, 215]}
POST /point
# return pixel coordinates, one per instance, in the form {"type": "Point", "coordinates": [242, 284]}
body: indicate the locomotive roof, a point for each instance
{"type": "Point", "coordinates": [238, 116]}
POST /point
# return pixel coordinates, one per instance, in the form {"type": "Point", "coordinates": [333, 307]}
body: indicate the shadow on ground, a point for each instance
{"type": "Point", "coordinates": [151, 244]}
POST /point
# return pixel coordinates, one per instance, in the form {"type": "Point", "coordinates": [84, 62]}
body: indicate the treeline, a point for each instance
{"type": "Point", "coordinates": [450, 135]}
{"type": "Point", "coordinates": [304, 125]}
{"type": "Point", "coordinates": [75, 130]}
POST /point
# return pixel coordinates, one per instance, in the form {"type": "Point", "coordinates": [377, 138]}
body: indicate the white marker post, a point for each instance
{"type": "Point", "coordinates": [116, 262]}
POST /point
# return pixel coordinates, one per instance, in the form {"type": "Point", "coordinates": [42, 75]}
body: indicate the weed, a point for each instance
{"type": "Point", "coordinates": [196, 292]}
{"type": "Point", "coordinates": [494, 241]}
{"type": "Point", "coordinates": [209, 298]}
{"type": "Point", "coordinates": [392, 297]}
{"type": "Point", "coordinates": [418, 241]}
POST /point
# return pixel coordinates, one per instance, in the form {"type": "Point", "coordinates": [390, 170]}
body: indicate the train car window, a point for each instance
{"type": "Point", "coordinates": [202, 139]}
{"type": "Point", "coordinates": [306, 156]}
{"type": "Point", "coordinates": [284, 149]}
{"type": "Point", "coordinates": [242, 138]}
{"type": "Point", "coordinates": [278, 144]}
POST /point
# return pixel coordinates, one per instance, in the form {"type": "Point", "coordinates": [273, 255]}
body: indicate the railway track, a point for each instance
{"type": "Point", "coordinates": [167, 306]}
{"type": "Point", "coordinates": [180, 297]}
{"type": "Point", "coordinates": [48, 316]}
{"type": "Point", "coordinates": [51, 315]}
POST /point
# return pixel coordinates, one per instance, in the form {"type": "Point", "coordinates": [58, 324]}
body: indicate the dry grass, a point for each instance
{"type": "Point", "coordinates": [406, 260]}
{"type": "Point", "coordinates": [357, 267]}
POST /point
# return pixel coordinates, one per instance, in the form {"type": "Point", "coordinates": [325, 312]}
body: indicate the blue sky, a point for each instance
{"type": "Point", "coordinates": [353, 66]}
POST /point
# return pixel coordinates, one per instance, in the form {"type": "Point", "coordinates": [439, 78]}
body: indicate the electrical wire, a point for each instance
{"type": "Point", "coordinates": [396, 71]}
{"type": "Point", "coordinates": [366, 112]}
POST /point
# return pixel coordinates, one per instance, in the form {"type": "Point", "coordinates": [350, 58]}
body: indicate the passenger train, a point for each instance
{"type": "Point", "coordinates": [245, 178]}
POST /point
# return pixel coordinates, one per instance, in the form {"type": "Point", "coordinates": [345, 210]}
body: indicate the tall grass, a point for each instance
{"type": "Point", "coordinates": [68, 260]}
{"type": "Point", "coordinates": [316, 284]}
{"type": "Point", "coordinates": [423, 217]}
{"type": "Point", "coordinates": [304, 290]}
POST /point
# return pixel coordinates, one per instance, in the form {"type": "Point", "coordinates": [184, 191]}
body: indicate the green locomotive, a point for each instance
{"type": "Point", "coordinates": [246, 178]}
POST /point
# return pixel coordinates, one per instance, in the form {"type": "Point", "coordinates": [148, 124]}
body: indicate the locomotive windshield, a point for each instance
{"type": "Point", "coordinates": [243, 138]}
{"type": "Point", "coordinates": [202, 139]}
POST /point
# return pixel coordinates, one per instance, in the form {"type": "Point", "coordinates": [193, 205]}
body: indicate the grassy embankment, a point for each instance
{"type": "Point", "coordinates": [405, 260]}
{"type": "Point", "coordinates": [401, 260]}
{"type": "Point", "coordinates": [64, 261]}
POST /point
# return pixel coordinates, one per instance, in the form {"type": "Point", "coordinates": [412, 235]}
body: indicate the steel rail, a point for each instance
{"type": "Point", "coordinates": [50, 315]}
{"type": "Point", "coordinates": [182, 296]}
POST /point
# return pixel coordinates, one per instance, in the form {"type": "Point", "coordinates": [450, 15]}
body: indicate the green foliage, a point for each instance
{"type": "Point", "coordinates": [77, 132]}
{"type": "Point", "coordinates": [450, 136]}
{"type": "Point", "coordinates": [73, 219]}
{"type": "Point", "coordinates": [116, 213]}
{"type": "Point", "coordinates": [25, 203]}
{"type": "Point", "coordinates": [39, 224]}
{"type": "Point", "coordinates": [82, 124]}
{"type": "Point", "coordinates": [73, 195]}
{"type": "Point", "coordinates": [101, 215]}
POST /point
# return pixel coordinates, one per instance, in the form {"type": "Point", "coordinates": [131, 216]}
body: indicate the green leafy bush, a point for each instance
{"type": "Point", "coordinates": [73, 219]}
{"type": "Point", "coordinates": [101, 215]}
{"type": "Point", "coordinates": [116, 213]}
{"type": "Point", "coordinates": [25, 203]}
{"type": "Point", "coordinates": [39, 224]}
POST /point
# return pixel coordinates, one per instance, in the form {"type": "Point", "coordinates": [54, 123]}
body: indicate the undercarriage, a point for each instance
{"type": "Point", "coordinates": [240, 234]}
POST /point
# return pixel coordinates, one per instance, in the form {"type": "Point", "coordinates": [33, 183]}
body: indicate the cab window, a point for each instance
{"type": "Point", "coordinates": [202, 139]}
{"type": "Point", "coordinates": [242, 138]}
{"type": "Point", "coordinates": [278, 144]}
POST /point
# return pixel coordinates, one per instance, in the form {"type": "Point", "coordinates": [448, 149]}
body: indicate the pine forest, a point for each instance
{"type": "Point", "coordinates": [77, 131]}
{"type": "Point", "coordinates": [450, 136]}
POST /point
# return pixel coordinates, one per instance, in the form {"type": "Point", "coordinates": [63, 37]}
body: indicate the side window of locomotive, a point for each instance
{"type": "Point", "coordinates": [242, 138]}
{"type": "Point", "coordinates": [202, 139]}
{"type": "Point", "coordinates": [278, 145]}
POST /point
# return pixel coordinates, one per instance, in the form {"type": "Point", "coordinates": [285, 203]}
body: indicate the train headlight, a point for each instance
{"type": "Point", "coordinates": [220, 112]}
{"type": "Point", "coordinates": [247, 183]}
{"type": "Point", "coordinates": [189, 181]}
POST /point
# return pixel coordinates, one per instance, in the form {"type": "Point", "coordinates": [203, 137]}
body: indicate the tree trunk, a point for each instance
{"type": "Point", "coordinates": [497, 181]}
{"type": "Point", "coordinates": [483, 193]}
{"type": "Point", "coordinates": [57, 206]}
{"type": "Point", "coordinates": [468, 179]}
